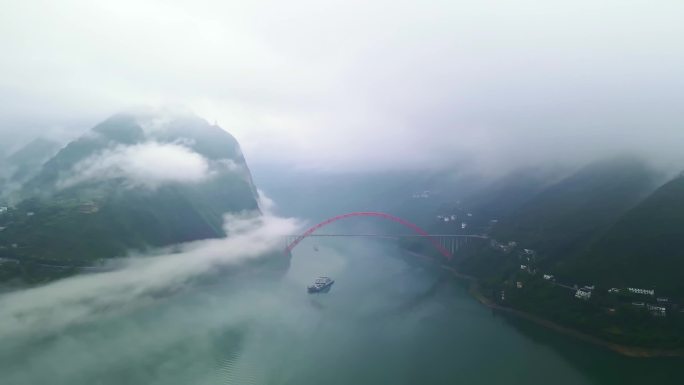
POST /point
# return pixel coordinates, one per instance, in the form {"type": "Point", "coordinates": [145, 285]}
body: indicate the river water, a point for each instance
{"type": "Point", "coordinates": [387, 320]}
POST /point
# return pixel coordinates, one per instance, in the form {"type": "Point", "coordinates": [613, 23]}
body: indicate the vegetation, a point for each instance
{"type": "Point", "coordinates": [55, 230]}
{"type": "Point", "coordinates": [644, 248]}
{"type": "Point", "coordinates": [607, 316]}
{"type": "Point", "coordinates": [602, 227]}
{"type": "Point", "coordinates": [565, 217]}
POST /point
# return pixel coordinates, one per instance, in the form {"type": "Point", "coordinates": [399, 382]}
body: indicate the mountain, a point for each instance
{"type": "Point", "coordinates": [24, 163]}
{"type": "Point", "coordinates": [411, 194]}
{"type": "Point", "coordinates": [35, 152]}
{"type": "Point", "coordinates": [137, 180]}
{"type": "Point", "coordinates": [565, 217]}
{"type": "Point", "coordinates": [642, 249]}
{"type": "Point", "coordinates": [502, 196]}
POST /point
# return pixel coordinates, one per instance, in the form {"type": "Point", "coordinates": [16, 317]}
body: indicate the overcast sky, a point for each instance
{"type": "Point", "coordinates": [360, 84]}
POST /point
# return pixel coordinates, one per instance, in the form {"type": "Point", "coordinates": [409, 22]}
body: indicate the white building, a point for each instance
{"type": "Point", "coordinates": [641, 291]}
{"type": "Point", "coordinates": [548, 277]}
{"type": "Point", "coordinates": [658, 311]}
{"type": "Point", "coordinates": [583, 294]}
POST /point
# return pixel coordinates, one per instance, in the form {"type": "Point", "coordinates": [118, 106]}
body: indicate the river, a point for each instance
{"type": "Point", "coordinates": [387, 320]}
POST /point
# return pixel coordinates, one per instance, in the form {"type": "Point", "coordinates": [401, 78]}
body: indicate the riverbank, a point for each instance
{"type": "Point", "coordinates": [625, 350]}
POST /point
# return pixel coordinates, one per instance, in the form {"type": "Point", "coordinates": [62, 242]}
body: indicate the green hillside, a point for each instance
{"type": "Point", "coordinates": [644, 248]}
{"type": "Point", "coordinates": [505, 195]}
{"type": "Point", "coordinates": [108, 215]}
{"type": "Point", "coordinates": [565, 217]}
{"type": "Point", "coordinates": [606, 226]}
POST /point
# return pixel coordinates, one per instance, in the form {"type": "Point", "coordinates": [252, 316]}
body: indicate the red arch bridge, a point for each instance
{"type": "Point", "coordinates": [446, 244]}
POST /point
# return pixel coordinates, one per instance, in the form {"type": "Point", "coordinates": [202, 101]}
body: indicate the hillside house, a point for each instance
{"type": "Point", "coordinates": [583, 294]}
{"type": "Point", "coordinates": [421, 195]}
{"type": "Point", "coordinates": [658, 311]}
{"type": "Point", "coordinates": [88, 208]}
{"type": "Point", "coordinates": [641, 291]}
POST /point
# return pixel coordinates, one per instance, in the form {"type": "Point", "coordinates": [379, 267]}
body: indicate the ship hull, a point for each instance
{"type": "Point", "coordinates": [323, 289]}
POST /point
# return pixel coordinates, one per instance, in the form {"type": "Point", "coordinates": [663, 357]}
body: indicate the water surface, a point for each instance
{"type": "Point", "coordinates": [387, 319]}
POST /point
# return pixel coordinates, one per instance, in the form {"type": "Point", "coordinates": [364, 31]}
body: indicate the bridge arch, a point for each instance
{"type": "Point", "coordinates": [413, 227]}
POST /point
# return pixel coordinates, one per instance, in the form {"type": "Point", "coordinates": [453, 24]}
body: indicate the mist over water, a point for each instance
{"type": "Point", "coordinates": [139, 282]}
{"type": "Point", "coordinates": [387, 319]}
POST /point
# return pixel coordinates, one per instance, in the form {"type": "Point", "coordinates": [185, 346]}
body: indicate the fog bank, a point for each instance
{"type": "Point", "coordinates": [50, 308]}
{"type": "Point", "coordinates": [357, 85]}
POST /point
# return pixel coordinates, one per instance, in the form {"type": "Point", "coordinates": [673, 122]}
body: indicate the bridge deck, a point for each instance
{"type": "Point", "coordinates": [398, 235]}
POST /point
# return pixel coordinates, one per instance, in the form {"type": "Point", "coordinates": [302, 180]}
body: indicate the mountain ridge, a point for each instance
{"type": "Point", "coordinates": [139, 181]}
{"type": "Point", "coordinates": [642, 248]}
{"type": "Point", "coordinates": [565, 216]}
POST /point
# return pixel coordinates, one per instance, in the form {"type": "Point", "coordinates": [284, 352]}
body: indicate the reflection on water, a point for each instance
{"type": "Point", "coordinates": [384, 321]}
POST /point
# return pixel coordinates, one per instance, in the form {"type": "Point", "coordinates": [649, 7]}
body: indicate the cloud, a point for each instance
{"type": "Point", "coordinates": [362, 84]}
{"type": "Point", "coordinates": [148, 164]}
{"type": "Point", "coordinates": [81, 299]}
{"type": "Point", "coordinates": [266, 204]}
